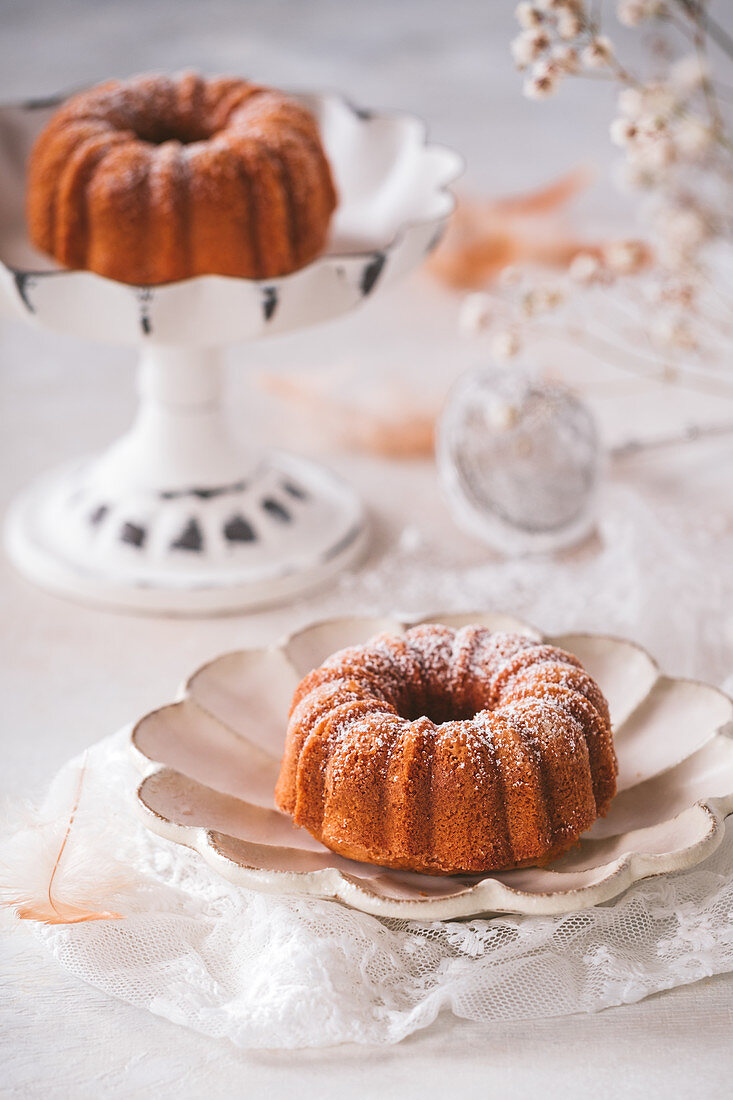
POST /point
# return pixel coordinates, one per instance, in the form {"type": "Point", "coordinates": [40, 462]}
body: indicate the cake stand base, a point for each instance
{"type": "Point", "coordinates": [178, 516]}
{"type": "Point", "coordinates": [282, 531]}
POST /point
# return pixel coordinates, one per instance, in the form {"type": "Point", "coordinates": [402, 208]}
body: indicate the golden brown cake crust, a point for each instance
{"type": "Point", "coordinates": [160, 178]}
{"type": "Point", "coordinates": [448, 751]}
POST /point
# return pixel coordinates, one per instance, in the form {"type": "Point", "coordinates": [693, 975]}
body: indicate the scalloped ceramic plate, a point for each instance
{"type": "Point", "coordinates": [394, 203]}
{"type": "Point", "coordinates": [211, 761]}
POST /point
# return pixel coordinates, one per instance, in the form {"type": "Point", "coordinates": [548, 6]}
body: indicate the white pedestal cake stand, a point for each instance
{"type": "Point", "coordinates": [175, 516]}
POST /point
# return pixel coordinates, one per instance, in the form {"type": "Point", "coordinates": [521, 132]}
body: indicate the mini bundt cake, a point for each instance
{"type": "Point", "coordinates": [160, 178]}
{"type": "Point", "coordinates": [446, 751]}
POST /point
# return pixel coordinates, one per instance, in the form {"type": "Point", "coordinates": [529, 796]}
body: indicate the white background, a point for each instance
{"type": "Point", "coordinates": [70, 675]}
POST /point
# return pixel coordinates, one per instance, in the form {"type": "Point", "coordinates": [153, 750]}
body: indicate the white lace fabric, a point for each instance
{"type": "Point", "coordinates": [270, 971]}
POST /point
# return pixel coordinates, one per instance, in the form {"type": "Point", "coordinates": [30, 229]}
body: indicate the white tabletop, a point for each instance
{"type": "Point", "coordinates": [70, 674]}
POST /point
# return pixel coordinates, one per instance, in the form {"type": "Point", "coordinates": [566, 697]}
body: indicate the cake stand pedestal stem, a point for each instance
{"type": "Point", "coordinates": [176, 516]}
{"type": "Point", "coordinates": [180, 438]}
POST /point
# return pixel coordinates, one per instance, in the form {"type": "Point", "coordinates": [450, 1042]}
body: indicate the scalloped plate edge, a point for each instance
{"type": "Point", "coordinates": [487, 897]}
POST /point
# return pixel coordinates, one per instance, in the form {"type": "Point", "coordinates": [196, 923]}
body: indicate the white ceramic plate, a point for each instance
{"type": "Point", "coordinates": [211, 761]}
{"type": "Point", "coordinates": [394, 203]}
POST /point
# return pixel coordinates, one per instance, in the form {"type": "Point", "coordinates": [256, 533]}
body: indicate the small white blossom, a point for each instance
{"type": "Point", "coordinates": [501, 415]}
{"type": "Point", "coordinates": [529, 46]}
{"type": "Point", "coordinates": [529, 304]}
{"type": "Point", "coordinates": [651, 127]}
{"type": "Point", "coordinates": [585, 268]}
{"type": "Point", "coordinates": [659, 99]}
{"type": "Point", "coordinates": [505, 345]}
{"type": "Point", "coordinates": [652, 155]}
{"type": "Point", "coordinates": [674, 333]}
{"type": "Point", "coordinates": [552, 297]}
{"type": "Point", "coordinates": [683, 228]}
{"type": "Point", "coordinates": [598, 53]}
{"type": "Point", "coordinates": [559, 6]}
{"type": "Point", "coordinates": [542, 83]}
{"type": "Point", "coordinates": [541, 299]}
{"type": "Point", "coordinates": [630, 13]}
{"type": "Point", "coordinates": [630, 102]}
{"type": "Point", "coordinates": [475, 314]}
{"type": "Point", "coordinates": [651, 165]}
{"type": "Point", "coordinates": [689, 73]}
{"type": "Point", "coordinates": [528, 16]}
{"type": "Point", "coordinates": [649, 106]}
{"type": "Point", "coordinates": [625, 257]}
{"type": "Point", "coordinates": [511, 276]}
{"type": "Point", "coordinates": [566, 59]}
{"type": "Point", "coordinates": [623, 131]}
{"type": "Point", "coordinates": [569, 25]}
{"type": "Point", "coordinates": [675, 292]}
{"type": "Point", "coordinates": [692, 136]}
{"type": "Point", "coordinates": [633, 12]}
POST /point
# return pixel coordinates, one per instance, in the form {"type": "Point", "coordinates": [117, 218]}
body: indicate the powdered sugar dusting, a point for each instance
{"type": "Point", "coordinates": [452, 749]}
{"type": "Point", "coordinates": [508, 674]}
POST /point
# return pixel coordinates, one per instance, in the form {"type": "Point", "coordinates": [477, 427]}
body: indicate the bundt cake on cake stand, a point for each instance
{"type": "Point", "coordinates": [177, 516]}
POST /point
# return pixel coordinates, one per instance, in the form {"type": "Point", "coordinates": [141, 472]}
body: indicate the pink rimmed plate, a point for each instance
{"type": "Point", "coordinates": [211, 759]}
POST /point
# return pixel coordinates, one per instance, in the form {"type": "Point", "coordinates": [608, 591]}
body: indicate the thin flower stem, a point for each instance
{"type": "Point", "coordinates": [653, 370]}
{"type": "Point", "coordinates": [680, 26]}
{"type": "Point", "coordinates": [592, 27]}
{"type": "Point", "coordinates": [606, 78]}
{"type": "Point", "coordinates": [693, 434]}
{"type": "Point", "coordinates": [698, 14]}
{"type": "Point", "coordinates": [716, 117]}
{"type": "Point", "coordinates": [714, 326]}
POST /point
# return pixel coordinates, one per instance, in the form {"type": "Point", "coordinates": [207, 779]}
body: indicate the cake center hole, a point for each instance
{"type": "Point", "coordinates": [439, 709]}
{"type": "Point", "coordinates": [159, 134]}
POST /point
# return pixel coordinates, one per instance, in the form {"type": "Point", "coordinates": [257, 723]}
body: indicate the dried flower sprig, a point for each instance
{"type": "Point", "coordinates": [670, 319]}
{"type": "Point", "coordinates": [607, 304]}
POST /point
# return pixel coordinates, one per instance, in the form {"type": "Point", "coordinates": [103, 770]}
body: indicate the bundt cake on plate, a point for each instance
{"type": "Point", "coordinates": [159, 178]}
{"type": "Point", "coordinates": [448, 751]}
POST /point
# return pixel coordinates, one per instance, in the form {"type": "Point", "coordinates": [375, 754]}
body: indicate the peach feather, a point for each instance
{"type": "Point", "coordinates": [485, 236]}
{"type": "Point", "coordinates": [49, 873]}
